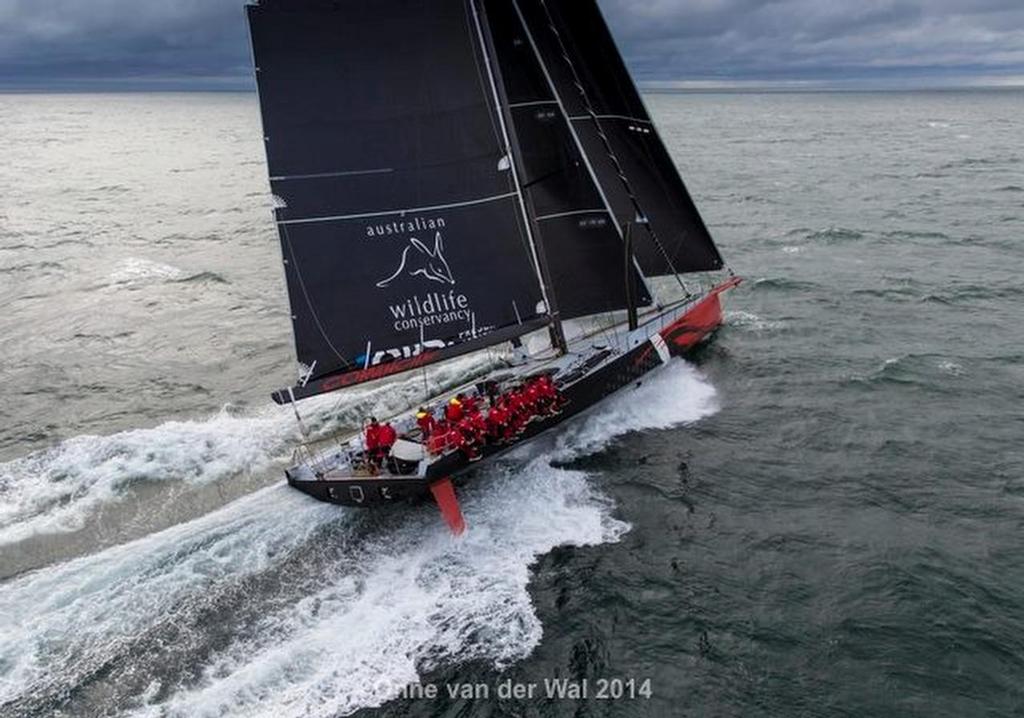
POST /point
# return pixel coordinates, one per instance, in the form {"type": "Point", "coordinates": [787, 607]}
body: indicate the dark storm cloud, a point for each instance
{"type": "Point", "coordinates": [203, 42]}
{"type": "Point", "coordinates": [123, 41]}
{"type": "Point", "coordinates": [818, 39]}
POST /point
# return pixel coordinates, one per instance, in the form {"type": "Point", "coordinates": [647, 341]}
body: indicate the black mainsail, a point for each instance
{"type": "Point", "coordinates": [453, 174]}
{"type": "Point", "coordinates": [397, 203]}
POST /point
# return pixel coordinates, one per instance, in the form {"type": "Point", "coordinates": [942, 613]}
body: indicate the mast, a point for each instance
{"type": "Point", "coordinates": [631, 311]}
{"type": "Point", "coordinates": [514, 153]}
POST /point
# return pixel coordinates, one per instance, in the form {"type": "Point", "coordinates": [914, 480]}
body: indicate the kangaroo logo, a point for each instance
{"type": "Point", "coordinates": [418, 260]}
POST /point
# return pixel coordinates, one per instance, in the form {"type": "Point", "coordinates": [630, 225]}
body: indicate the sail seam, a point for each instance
{"type": "Point", "coordinates": [534, 103]}
{"type": "Point", "coordinates": [580, 118]}
{"type": "Point", "coordinates": [325, 175]}
{"type": "Point", "coordinates": [557, 215]}
{"type": "Point", "coordinates": [453, 205]}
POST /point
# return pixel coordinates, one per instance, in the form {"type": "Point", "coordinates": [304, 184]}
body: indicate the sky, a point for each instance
{"type": "Point", "coordinates": [669, 44]}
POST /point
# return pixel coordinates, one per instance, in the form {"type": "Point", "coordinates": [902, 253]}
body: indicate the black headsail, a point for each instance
{"type": "Point", "coordinates": [598, 94]}
{"type": "Point", "coordinates": [583, 244]}
{"type": "Point", "coordinates": [402, 226]}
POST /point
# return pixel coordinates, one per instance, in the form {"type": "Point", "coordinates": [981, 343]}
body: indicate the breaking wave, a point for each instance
{"type": "Point", "coordinates": [924, 370]}
{"type": "Point", "coordinates": [276, 605]}
{"type": "Point", "coordinates": [750, 321]}
{"type": "Point", "coordinates": [783, 284]}
{"type": "Point", "coordinates": [835, 235]}
{"type": "Point", "coordinates": [135, 271]}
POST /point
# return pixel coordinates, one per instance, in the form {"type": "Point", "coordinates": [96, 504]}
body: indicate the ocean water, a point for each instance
{"type": "Point", "coordinates": [819, 515]}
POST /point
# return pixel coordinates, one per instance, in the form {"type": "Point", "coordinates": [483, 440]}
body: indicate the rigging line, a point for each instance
{"type": "Point", "coordinates": [469, 9]}
{"type": "Point", "coordinates": [325, 175]}
{"type": "Point", "coordinates": [543, 177]}
{"type": "Point", "coordinates": [309, 301]}
{"type": "Point", "coordinates": [532, 103]}
{"type": "Point", "coordinates": [592, 113]}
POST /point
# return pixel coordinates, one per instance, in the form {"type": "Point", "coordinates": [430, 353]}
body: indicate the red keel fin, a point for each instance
{"type": "Point", "coordinates": [444, 495]}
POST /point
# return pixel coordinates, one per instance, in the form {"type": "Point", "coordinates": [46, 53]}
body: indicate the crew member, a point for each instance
{"type": "Point", "coordinates": [456, 441]}
{"type": "Point", "coordinates": [470, 438]}
{"type": "Point", "coordinates": [497, 422]}
{"type": "Point", "coordinates": [517, 411]}
{"type": "Point", "coordinates": [493, 391]}
{"type": "Point", "coordinates": [386, 437]}
{"type": "Point", "coordinates": [438, 442]}
{"type": "Point", "coordinates": [372, 440]}
{"type": "Point", "coordinates": [479, 424]}
{"type": "Point", "coordinates": [453, 412]}
{"type": "Point", "coordinates": [427, 423]}
{"type": "Point", "coordinates": [533, 399]}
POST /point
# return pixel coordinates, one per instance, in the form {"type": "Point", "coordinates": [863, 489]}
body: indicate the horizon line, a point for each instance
{"type": "Point", "coordinates": [239, 84]}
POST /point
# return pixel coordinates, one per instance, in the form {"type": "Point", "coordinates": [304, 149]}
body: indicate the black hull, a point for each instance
{"type": "Point", "coordinates": [581, 395]}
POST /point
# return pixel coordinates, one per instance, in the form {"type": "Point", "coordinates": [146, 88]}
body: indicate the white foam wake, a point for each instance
{"type": "Point", "coordinates": [62, 623]}
{"type": "Point", "coordinates": [405, 603]}
{"type": "Point", "coordinates": [385, 605]}
{"type": "Point", "coordinates": [58, 489]}
{"type": "Point", "coordinates": [55, 490]}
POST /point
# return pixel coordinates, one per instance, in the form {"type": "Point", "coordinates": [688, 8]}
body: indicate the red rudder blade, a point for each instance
{"type": "Point", "coordinates": [444, 495]}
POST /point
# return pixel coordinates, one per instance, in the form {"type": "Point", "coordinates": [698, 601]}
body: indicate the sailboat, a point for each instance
{"type": "Point", "coordinates": [454, 176]}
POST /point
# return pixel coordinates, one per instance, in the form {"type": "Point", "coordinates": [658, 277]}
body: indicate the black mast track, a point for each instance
{"type": "Point", "coordinates": [515, 154]}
